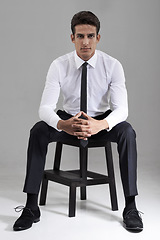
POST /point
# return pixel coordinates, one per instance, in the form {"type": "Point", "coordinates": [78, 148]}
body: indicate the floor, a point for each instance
{"type": "Point", "coordinates": [94, 218]}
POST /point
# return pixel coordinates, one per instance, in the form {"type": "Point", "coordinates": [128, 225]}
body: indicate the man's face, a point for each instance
{"type": "Point", "coordinates": [85, 40]}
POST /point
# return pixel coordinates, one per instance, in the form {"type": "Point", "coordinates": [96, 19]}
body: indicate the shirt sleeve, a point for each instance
{"type": "Point", "coordinates": [50, 97]}
{"type": "Point", "coordinates": [118, 97]}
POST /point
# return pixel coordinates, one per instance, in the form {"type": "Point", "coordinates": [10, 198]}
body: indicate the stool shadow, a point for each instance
{"type": "Point", "coordinates": [88, 206]}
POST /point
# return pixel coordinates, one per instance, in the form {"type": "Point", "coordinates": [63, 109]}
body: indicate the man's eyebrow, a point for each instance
{"type": "Point", "coordinates": [79, 34]}
{"type": "Point", "coordinates": [91, 34]}
{"type": "Point", "coordinates": [86, 34]}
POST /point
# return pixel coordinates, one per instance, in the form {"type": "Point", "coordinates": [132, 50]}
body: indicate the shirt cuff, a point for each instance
{"type": "Point", "coordinates": [54, 121]}
{"type": "Point", "coordinates": [110, 123]}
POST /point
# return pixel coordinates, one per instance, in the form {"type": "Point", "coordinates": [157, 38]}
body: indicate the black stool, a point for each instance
{"type": "Point", "coordinates": [81, 177]}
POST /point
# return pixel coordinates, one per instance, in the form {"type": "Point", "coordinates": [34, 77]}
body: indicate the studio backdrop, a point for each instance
{"type": "Point", "coordinates": [34, 32]}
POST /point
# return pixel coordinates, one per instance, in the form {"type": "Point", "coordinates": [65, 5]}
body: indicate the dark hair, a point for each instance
{"type": "Point", "coordinates": [85, 17]}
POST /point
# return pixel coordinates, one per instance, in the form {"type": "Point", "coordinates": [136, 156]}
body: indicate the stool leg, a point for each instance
{"type": "Point", "coordinates": [58, 153]}
{"type": "Point", "coordinates": [43, 194]}
{"type": "Point", "coordinates": [72, 200]}
{"type": "Point", "coordinates": [83, 171]}
{"type": "Point", "coordinates": [83, 193]}
{"type": "Point", "coordinates": [112, 185]}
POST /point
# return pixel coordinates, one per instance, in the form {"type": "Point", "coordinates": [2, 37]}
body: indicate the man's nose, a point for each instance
{"type": "Point", "coordinates": [85, 41]}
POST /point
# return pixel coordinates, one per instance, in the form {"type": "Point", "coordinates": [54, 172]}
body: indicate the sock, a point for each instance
{"type": "Point", "coordinates": [32, 201]}
{"type": "Point", "coordinates": [130, 203]}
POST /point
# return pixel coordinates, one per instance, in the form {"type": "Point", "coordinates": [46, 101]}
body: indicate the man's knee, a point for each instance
{"type": "Point", "coordinates": [39, 129]}
{"type": "Point", "coordinates": [125, 130]}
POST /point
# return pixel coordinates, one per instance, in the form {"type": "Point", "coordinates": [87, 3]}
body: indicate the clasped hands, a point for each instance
{"type": "Point", "coordinates": [82, 126]}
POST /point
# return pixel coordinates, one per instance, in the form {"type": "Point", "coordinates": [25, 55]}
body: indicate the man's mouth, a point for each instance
{"type": "Point", "coordinates": [85, 49]}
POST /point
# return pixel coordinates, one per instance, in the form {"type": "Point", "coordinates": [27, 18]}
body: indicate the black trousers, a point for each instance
{"type": "Point", "coordinates": [42, 134]}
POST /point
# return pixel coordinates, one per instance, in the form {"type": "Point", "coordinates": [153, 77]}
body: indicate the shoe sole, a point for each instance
{"type": "Point", "coordinates": [36, 220]}
{"type": "Point", "coordinates": [134, 229]}
{"type": "Point", "coordinates": [22, 228]}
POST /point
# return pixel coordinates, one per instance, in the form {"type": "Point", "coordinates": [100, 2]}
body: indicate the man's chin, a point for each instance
{"type": "Point", "coordinates": [86, 56]}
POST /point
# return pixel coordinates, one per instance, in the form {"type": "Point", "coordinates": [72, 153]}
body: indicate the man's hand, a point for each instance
{"type": "Point", "coordinates": [82, 127]}
{"type": "Point", "coordinates": [74, 125]}
{"type": "Point", "coordinates": [93, 126]}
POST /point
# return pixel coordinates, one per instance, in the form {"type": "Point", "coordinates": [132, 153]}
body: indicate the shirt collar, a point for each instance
{"type": "Point", "coordinates": [92, 61]}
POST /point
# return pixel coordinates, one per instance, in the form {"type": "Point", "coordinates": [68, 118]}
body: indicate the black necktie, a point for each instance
{"type": "Point", "coordinates": [83, 102]}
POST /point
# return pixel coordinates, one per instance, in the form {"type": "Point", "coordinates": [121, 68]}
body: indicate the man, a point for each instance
{"type": "Point", "coordinates": [105, 84]}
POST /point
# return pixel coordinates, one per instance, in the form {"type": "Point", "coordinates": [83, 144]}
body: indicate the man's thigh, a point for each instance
{"type": "Point", "coordinates": [56, 136]}
{"type": "Point", "coordinates": [123, 128]}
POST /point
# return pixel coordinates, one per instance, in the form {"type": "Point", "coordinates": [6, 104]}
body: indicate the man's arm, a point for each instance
{"type": "Point", "coordinates": [118, 97]}
{"type": "Point", "coordinates": [50, 97]}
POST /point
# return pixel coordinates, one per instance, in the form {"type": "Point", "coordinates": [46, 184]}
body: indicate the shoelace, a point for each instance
{"type": "Point", "coordinates": [140, 213]}
{"type": "Point", "coordinates": [19, 208]}
{"type": "Point", "coordinates": [28, 211]}
{"type": "Point", "coordinates": [135, 212]}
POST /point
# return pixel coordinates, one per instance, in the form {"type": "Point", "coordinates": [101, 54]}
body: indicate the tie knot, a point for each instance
{"type": "Point", "coordinates": [84, 64]}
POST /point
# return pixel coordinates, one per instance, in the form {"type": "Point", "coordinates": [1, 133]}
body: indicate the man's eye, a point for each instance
{"type": "Point", "coordinates": [91, 36]}
{"type": "Point", "coordinates": [79, 36]}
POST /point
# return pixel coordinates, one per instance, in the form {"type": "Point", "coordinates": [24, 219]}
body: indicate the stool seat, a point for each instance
{"type": "Point", "coordinates": [80, 177]}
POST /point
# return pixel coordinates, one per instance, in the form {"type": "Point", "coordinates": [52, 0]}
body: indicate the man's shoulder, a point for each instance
{"type": "Point", "coordinates": [65, 57]}
{"type": "Point", "coordinates": [108, 61]}
{"type": "Point", "coordinates": [62, 61]}
{"type": "Point", "coordinates": [105, 56]}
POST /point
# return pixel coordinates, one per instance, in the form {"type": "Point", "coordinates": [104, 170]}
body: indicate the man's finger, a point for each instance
{"type": "Point", "coordinates": [82, 134]}
{"type": "Point", "coordinates": [85, 115]}
{"type": "Point", "coordinates": [81, 128]}
{"type": "Point", "coordinates": [81, 122]}
{"type": "Point", "coordinates": [82, 138]}
{"type": "Point", "coordinates": [78, 114]}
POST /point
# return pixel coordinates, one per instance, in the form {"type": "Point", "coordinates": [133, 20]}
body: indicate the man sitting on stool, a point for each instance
{"type": "Point", "coordinates": [105, 86]}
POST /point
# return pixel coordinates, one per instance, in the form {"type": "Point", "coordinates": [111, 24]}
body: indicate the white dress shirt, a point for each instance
{"type": "Point", "coordinates": [105, 88]}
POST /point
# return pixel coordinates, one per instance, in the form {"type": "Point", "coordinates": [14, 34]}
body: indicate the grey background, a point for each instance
{"type": "Point", "coordinates": [34, 32]}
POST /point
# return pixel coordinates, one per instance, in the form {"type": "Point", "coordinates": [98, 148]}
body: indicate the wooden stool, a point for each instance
{"type": "Point", "coordinates": [81, 177]}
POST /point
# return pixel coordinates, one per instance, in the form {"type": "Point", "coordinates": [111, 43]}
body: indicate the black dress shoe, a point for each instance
{"type": "Point", "coordinates": [27, 218]}
{"type": "Point", "coordinates": [132, 220]}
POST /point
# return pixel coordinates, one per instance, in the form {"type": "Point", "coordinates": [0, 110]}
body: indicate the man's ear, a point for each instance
{"type": "Point", "coordinates": [98, 38]}
{"type": "Point", "coordinates": [72, 38]}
